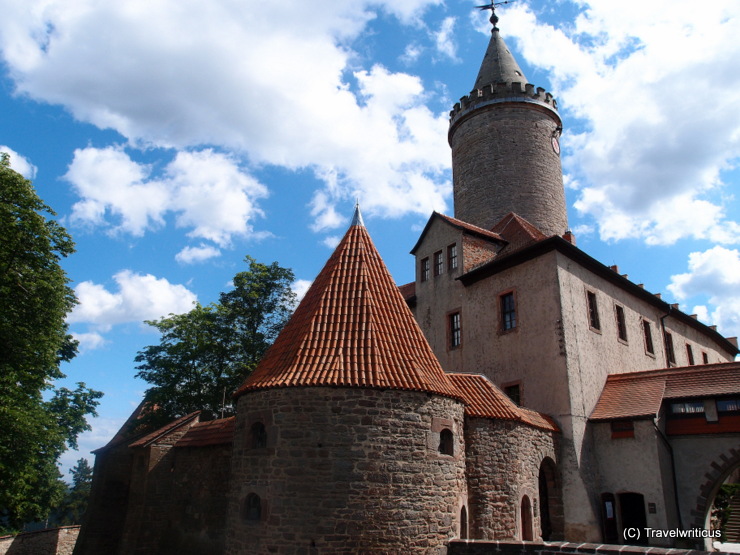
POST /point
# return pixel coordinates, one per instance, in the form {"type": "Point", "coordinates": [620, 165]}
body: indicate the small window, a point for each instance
{"type": "Point", "coordinates": [455, 330]}
{"type": "Point", "coordinates": [704, 358]}
{"type": "Point", "coordinates": [593, 311]}
{"type": "Point", "coordinates": [623, 428]}
{"type": "Point", "coordinates": [508, 311]}
{"type": "Point", "coordinates": [728, 405]}
{"type": "Point", "coordinates": [252, 508]}
{"type": "Point", "coordinates": [621, 323]}
{"type": "Point", "coordinates": [446, 442]}
{"type": "Point", "coordinates": [514, 392]}
{"type": "Point", "coordinates": [670, 355]}
{"type": "Point", "coordinates": [424, 270]}
{"type": "Point", "coordinates": [258, 435]}
{"type": "Point", "coordinates": [648, 333]}
{"type": "Point", "coordinates": [690, 354]}
{"type": "Point", "coordinates": [452, 256]}
{"type": "Point", "coordinates": [438, 263]}
{"type": "Point", "coordinates": [687, 408]}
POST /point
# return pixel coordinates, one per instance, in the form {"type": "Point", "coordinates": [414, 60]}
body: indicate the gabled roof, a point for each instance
{"type": "Point", "coordinates": [353, 329]}
{"type": "Point", "coordinates": [130, 430]}
{"type": "Point", "coordinates": [517, 231]}
{"type": "Point", "coordinates": [484, 400]}
{"type": "Point", "coordinates": [166, 429]}
{"type": "Point", "coordinates": [640, 394]}
{"type": "Point", "coordinates": [462, 226]}
{"type": "Point", "coordinates": [408, 291]}
{"type": "Point", "coordinates": [213, 432]}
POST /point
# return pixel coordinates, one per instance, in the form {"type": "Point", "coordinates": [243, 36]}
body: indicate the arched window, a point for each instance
{"type": "Point", "coordinates": [526, 519]}
{"type": "Point", "coordinates": [446, 442]}
{"type": "Point", "coordinates": [252, 508]}
{"type": "Point", "coordinates": [258, 435]}
{"type": "Point", "coordinates": [463, 523]}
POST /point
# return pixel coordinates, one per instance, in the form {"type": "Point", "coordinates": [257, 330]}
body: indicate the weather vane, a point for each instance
{"type": "Point", "coordinates": [492, 6]}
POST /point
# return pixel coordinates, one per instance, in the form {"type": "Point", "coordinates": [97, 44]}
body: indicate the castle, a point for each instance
{"type": "Point", "coordinates": [518, 389]}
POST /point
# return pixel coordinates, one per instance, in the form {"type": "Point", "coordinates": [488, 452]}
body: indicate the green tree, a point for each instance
{"type": "Point", "coordinates": [37, 421]}
{"type": "Point", "coordinates": [205, 354]}
{"type": "Point", "coordinates": [73, 505]}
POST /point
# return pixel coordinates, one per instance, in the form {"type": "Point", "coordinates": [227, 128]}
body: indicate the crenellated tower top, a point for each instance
{"type": "Point", "coordinates": [505, 145]}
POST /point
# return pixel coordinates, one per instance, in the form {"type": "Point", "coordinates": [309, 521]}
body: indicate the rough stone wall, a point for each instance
{"type": "Point", "coordinates": [503, 161]}
{"type": "Point", "coordinates": [103, 523]}
{"type": "Point", "coordinates": [346, 471]}
{"type": "Point", "coordinates": [503, 460]}
{"type": "Point", "coordinates": [54, 541]}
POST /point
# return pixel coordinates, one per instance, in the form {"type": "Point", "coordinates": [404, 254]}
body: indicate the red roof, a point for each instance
{"type": "Point", "coordinates": [484, 400]}
{"type": "Point", "coordinates": [518, 232]}
{"type": "Point", "coordinates": [213, 432]}
{"type": "Point", "coordinates": [461, 225]}
{"type": "Point", "coordinates": [352, 329]}
{"type": "Point", "coordinates": [408, 290]}
{"type": "Point", "coordinates": [640, 394]}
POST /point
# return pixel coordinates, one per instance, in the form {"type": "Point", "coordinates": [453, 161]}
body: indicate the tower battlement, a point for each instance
{"type": "Point", "coordinates": [502, 92]}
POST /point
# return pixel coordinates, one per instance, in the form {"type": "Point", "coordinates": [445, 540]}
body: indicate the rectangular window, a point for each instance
{"type": "Point", "coordinates": [438, 263]}
{"type": "Point", "coordinates": [648, 333]}
{"type": "Point", "coordinates": [704, 358]}
{"type": "Point", "coordinates": [593, 311]}
{"type": "Point", "coordinates": [688, 407]}
{"type": "Point", "coordinates": [508, 312]}
{"type": "Point", "coordinates": [514, 393]}
{"type": "Point", "coordinates": [621, 324]}
{"type": "Point", "coordinates": [455, 330]}
{"type": "Point", "coordinates": [690, 354]}
{"type": "Point", "coordinates": [670, 355]}
{"type": "Point", "coordinates": [728, 405]}
{"type": "Point", "coordinates": [452, 256]}
{"type": "Point", "coordinates": [622, 428]}
{"type": "Point", "coordinates": [424, 269]}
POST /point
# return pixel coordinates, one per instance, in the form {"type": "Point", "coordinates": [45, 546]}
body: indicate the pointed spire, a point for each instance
{"type": "Point", "coordinates": [352, 329]}
{"type": "Point", "coordinates": [357, 217]}
{"type": "Point", "coordinates": [499, 65]}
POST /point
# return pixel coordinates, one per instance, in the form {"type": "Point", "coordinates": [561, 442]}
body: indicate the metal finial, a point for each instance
{"type": "Point", "coordinates": [357, 217]}
{"type": "Point", "coordinates": [492, 6]}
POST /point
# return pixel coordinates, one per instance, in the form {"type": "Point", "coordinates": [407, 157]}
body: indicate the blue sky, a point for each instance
{"type": "Point", "coordinates": [175, 137]}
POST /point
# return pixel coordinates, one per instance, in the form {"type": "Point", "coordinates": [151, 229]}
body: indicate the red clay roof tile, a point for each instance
{"type": "Point", "coordinates": [518, 232]}
{"type": "Point", "coordinates": [352, 329]}
{"type": "Point", "coordinates": [484, 400]}
{"type": "Point", "coordinates": [640, 394]}
{"type": "Point", "coordinates": [166, 429]}
{"type": "Point", "coordinates": [213, 432]}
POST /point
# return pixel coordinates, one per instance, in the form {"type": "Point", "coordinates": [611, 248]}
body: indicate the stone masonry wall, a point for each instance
{"type": "Point", "coordinates": [346, 471]}
{"type": "Point", "coordinates": [503, 161]}
{"type": "Point", "coordinates": [503, 461]}
{"type": "Point", "coordinates": [54, 541]}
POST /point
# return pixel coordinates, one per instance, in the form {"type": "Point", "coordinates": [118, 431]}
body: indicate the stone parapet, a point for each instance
{"type": "Point", "coordinates": [52, 541]}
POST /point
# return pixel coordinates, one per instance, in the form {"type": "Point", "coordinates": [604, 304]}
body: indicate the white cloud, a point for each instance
{"type": "Point", "coordinates": [300, 287]}
{"type": "Point", "coordinates": [138, 297]}
{"type": "Point", "coordinates": [103, 430]}
{"type": "Point", "coordinates": [445, 39]}
{"type": "Point", "coordinates": [19, 163]}
{"type": "Point", "coordinates": [656, 170]}
{"type": "Point", "coordinates": [332, 241]}
{"type": "Point", "coordinates": [193, 255]}
{"type": "Point", "coordinates": [206, 191]}
{"type": "Point", "coordinates": [264, 79]}
{"type": "Point", "coordinates": [714, 273]}
{"type": "Point", "coordinates": [89, 341]}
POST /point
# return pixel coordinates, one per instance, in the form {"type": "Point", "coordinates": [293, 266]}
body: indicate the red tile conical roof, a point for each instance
{"type": "Point", "coordinates": [352, 329]}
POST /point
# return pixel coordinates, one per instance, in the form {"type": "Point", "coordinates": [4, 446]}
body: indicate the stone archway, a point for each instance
{"type": "Point", "coordinates": [551, 501]}
{"type": "Point", "coordinates": [717, 474]}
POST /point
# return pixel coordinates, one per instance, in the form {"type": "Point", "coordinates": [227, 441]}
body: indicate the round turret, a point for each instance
{"type": "Point", "coordinates": [505, 148]}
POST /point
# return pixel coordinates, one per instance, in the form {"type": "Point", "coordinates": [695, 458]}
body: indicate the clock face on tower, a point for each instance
{"type": "Point", "coordinates": [556, 145]}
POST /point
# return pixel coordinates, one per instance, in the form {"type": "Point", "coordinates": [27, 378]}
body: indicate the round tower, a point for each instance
{"type": "Point", "coordinates": [505, 147]}
{"type": "Point", "coordinates": [349, 435]}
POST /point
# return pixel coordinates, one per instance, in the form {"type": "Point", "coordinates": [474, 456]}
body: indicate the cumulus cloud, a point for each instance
{"type": "Point", "coordinates": [444, 38]}
{"type": "Point", "coordinates": [265, 79]}
{"type": "Point", "coordinates": [656, 170]}
{"type": "Point", "coordinates": [19, 163]}
{"type": "Point", "coordinates": [715, 274]}
{"type": "Point", "coordinates": [206, 191]}
{"type": "Point", "coordinates": [89, 341]}
{"type": "Point", "coordinates": [193, 255]}
{"type": "Point", "coordinates": [300, 287]}
{"type": "Point", "coordinates": [137, 297]}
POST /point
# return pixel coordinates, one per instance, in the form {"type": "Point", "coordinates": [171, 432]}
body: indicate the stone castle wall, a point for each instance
{"type": "Point", "coordinates": [503, 161]}
{"type": "Point", "coordinates": [346, 470]}
{"type": "Point", "coordinates": [54, 541]}
{"type": "Point", "coordinates": [503, 459]}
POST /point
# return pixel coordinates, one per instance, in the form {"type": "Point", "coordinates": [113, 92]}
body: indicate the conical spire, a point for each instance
{"type": "Point", "coordinates": [357, 217]}
{"type": "Point", "coordinates": [499, 65]}
{"type": "Point", "coordinates": [352, 329]}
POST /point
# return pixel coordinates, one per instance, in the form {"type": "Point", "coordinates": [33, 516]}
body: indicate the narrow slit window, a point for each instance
{"type": "Point", "coordinates": [446, 442]}
{"type": "Point", "coordinates": [424, 269]}
{"type": "Point", "coordinates": [690, 354]}
{"type": "Point", "coordinates": [621, 323]}
{"type": "Point", "coordinates": [438, 264]}
{"type": "Point", "coordinates": [593, 311]}
{"type": "Point", "coordinates": [452, 256]}
{"type": "Point", "coordinates": [648, 333]}
{"type": "Point", "coordinates": [455, 330]}
{"type": "Point", "coordinates": [508, 312]}
{"type": "Point", "coordinates": [670, 354]}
